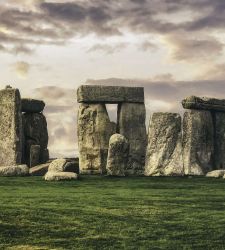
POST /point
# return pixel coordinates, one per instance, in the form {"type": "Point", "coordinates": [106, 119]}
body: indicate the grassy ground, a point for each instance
{"type": "Point", "coordinates": [112, 213]}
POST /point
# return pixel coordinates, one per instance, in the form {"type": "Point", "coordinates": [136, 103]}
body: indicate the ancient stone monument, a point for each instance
{"type": "Point", "coordinates": [35, 132]}
{"type": "Point", "coordinates": [10, 127]}
{"type": "Point", "coordinates": [118, 155]}
{"type": "Point", "coordinates": [23, 136]}
{"type": "Point", "coordinates": [164, 150]}
{"type": "Point", "coordinates": [95, 128]}
{"type": "Point", "coordinates": [204, 134]}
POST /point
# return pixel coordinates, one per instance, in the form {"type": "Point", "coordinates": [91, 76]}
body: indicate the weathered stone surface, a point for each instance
{"type": "Point", "coordinates": [204, 103]}
{"type": "Point", "coordinates": [164, 150]}
{"type": "Point", "coordinates": [35, 133]}
{"type": "Point", "coordinates": [39, 170]}
{"type": "Point", "coordinates": [17, 170]}
{"type": "Point", "coordinates": [131, 124]}
{"type": "Point", "coordinates": [109, 94]}
{"type": "Point", "coordinates": [10, 127]}
{"type": "Point", "coordinates": [118, 155]}
{"type": "Point", "coordinates": [198, 142]}
{"type": "Point", "coordinates": [34, 155]}
{"type": "Point", "coordinates": [60, 176]}
{"type": "Point", "coordinates": [216, 173]}
{"type": "Point", "coordinates": [94, 131]}
{"type": "Point", "coordinates": [219, 140]}
{"type": "Point", "coordinates": [32, 105]}
{"type": "Point", "coordinates": [57, 165]}
{"type": "Point", "coordinates": [72, 166]}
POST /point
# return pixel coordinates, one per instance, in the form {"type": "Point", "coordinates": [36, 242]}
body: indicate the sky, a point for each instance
{"type": "Point", "coordinates": [173, 48]}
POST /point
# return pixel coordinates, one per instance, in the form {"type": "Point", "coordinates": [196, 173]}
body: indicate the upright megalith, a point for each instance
{"type": "Point", "coordinates": [118, 155]}
{"type": "Point", "coordinates": [198, 142]}
{"type": "Point", "coordinates": [131, 124]}
{"type": "Point", "coordinates": [164, 150]}
{"type": "Point", "coordinates": [94, 131]}
{"type": "Point", "coordinates": [35, 132]}
{"type": "Point", "coordinates": [10, 127]}
{"type": "Point", "coordinates": [219, 140]}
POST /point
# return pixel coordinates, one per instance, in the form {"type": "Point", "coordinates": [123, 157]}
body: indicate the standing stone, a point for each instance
{"type": "Point", "coordinates": [35, 133]}
{"type": "Point", "coordinates": [131, 124]}
{"type": "Point", "coordinates": [198, 142]}
{"type": "Point", "coordinates": [10, 127]}
{"type": "Point", "coordinates": [164, 150]}
{"type": "Point", "coordinates": [94, 131]}
{"type": "Point", "coordinates": [117, 155]}
{"type": "Point", "coordinates": [219, 143]}
{"type": "Point", "coordinates": [34, 155]}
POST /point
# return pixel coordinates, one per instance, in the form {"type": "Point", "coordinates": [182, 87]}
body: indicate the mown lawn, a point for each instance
{"type": "Point", "coordinates": [112, 213]}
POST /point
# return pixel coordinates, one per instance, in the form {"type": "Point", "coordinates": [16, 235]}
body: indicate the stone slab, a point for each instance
{"type": "Point", "coordinates": [219, 142]}
{"type": "Point", "coordinates": [94, 132]}
{"type": "Point", "coordinates": [198, 142]}
{"type": "Point", "coordinates": [216, 173]}
{"type": "Point", "coordinates": [10, 127]}
{"type": "Point", "coordinates": [164, 150]}
{"type": "Point", "coordinates": [32, 105]}
{"type": "Point", "coordinates": [14, 171]}
{"type": "Point", "coordinates": [131, 124]}
{"type": "Point", "coordinates": [118, 155]}
{"type": "Point", "coordinates": [60, 176]}
{"type": "Point", "coordinates": [204, 103]}
{"type": "Point", "coordinates": [39, 170]}
{"type": "Point", "coordinates": [109, 94]}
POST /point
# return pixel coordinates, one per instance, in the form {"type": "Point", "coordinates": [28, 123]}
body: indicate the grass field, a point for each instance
{"type": "Point", "coordinates": [112, 213]}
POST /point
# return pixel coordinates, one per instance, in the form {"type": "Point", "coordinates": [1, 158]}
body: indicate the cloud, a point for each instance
{"type": "Point", "coordinates": [29, 22]}
{"type": "Point", "coordinates": [21, 68]}
{"type": "Point", "coordinates": [184, 48]}
{"type": "Point", "coordinates": [107, 49]}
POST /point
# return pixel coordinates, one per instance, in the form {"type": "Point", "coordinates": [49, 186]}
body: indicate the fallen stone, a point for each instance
{"type": "Point", "coordinates": [204, 103]}
{"type": "Point", "coordinates": [60, 176]}
{"type": "Point", "coordinates": [39, 170]}
{"type": "Point", "coordinates": [164, 150]}
{"type": "Point", "coordinates": [57, 165]}
{"type": "Point", "coordinates": [117, 155]}
{"type": "Point", "coordinates": [32, 105]}
{"type": "Point", "coordinates": [34, 155]}
{"type": "Point", "coordinates": [131, 124]}
{"type": "Point", "coordinates": [109, 94]}
{"type": "Point", "coordinates": [198, 142]}
{"type": "Point", "coordinates": [72, 166]}
{"type": "Point", "coordinates": [216, 173]}
{"type": "Point", "coordinates": [17, 170]}
{"type": "Point", "coordinates": [94, 131]}
{"type": "Point", "coordinates": [219, 140]}
{"type": "Point", "coordinates": [10, 127]}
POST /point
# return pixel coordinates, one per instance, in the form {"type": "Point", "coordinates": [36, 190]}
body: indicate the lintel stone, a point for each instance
{"type": "Point", "coordinates": [109, 94]}
{"type": "Point", "coordinates": [204, 103]}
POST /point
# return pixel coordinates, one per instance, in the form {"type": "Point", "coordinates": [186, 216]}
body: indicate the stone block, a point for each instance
{"type": "Point", "coordinates": [94, 131]}
{"type": "Point", "coordinates": [131, 124]}
{"type": "Point", "coordinates": [204, 103]}
{"type": "Point", "coordinates": [109, 94]}
{"type": "Point", "coordinates": [118, 155]}
{"type": "Point", "coordinates": [198, 142]}
{"type": "Point", "coordinates": [10, 127]}
{"type": "Point", "coordinates": [164, 150]}
{"type": "Point", "coordinates": [32, 105]}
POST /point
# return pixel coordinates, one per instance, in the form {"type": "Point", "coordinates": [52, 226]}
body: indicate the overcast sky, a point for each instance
{"type": "Point", "coordinates": [174, 48]}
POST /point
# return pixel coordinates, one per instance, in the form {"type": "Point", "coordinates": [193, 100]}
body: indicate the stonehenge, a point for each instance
{"type": "Point", "coordinates": [23, 131]}
{"type": "Point", "coordinates": [194, 145]}
{"type": "Point", "coordinates": [95, 127]}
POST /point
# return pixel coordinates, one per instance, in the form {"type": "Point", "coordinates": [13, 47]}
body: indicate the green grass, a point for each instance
{"type": "Point", "coordinates": [112, 213]}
